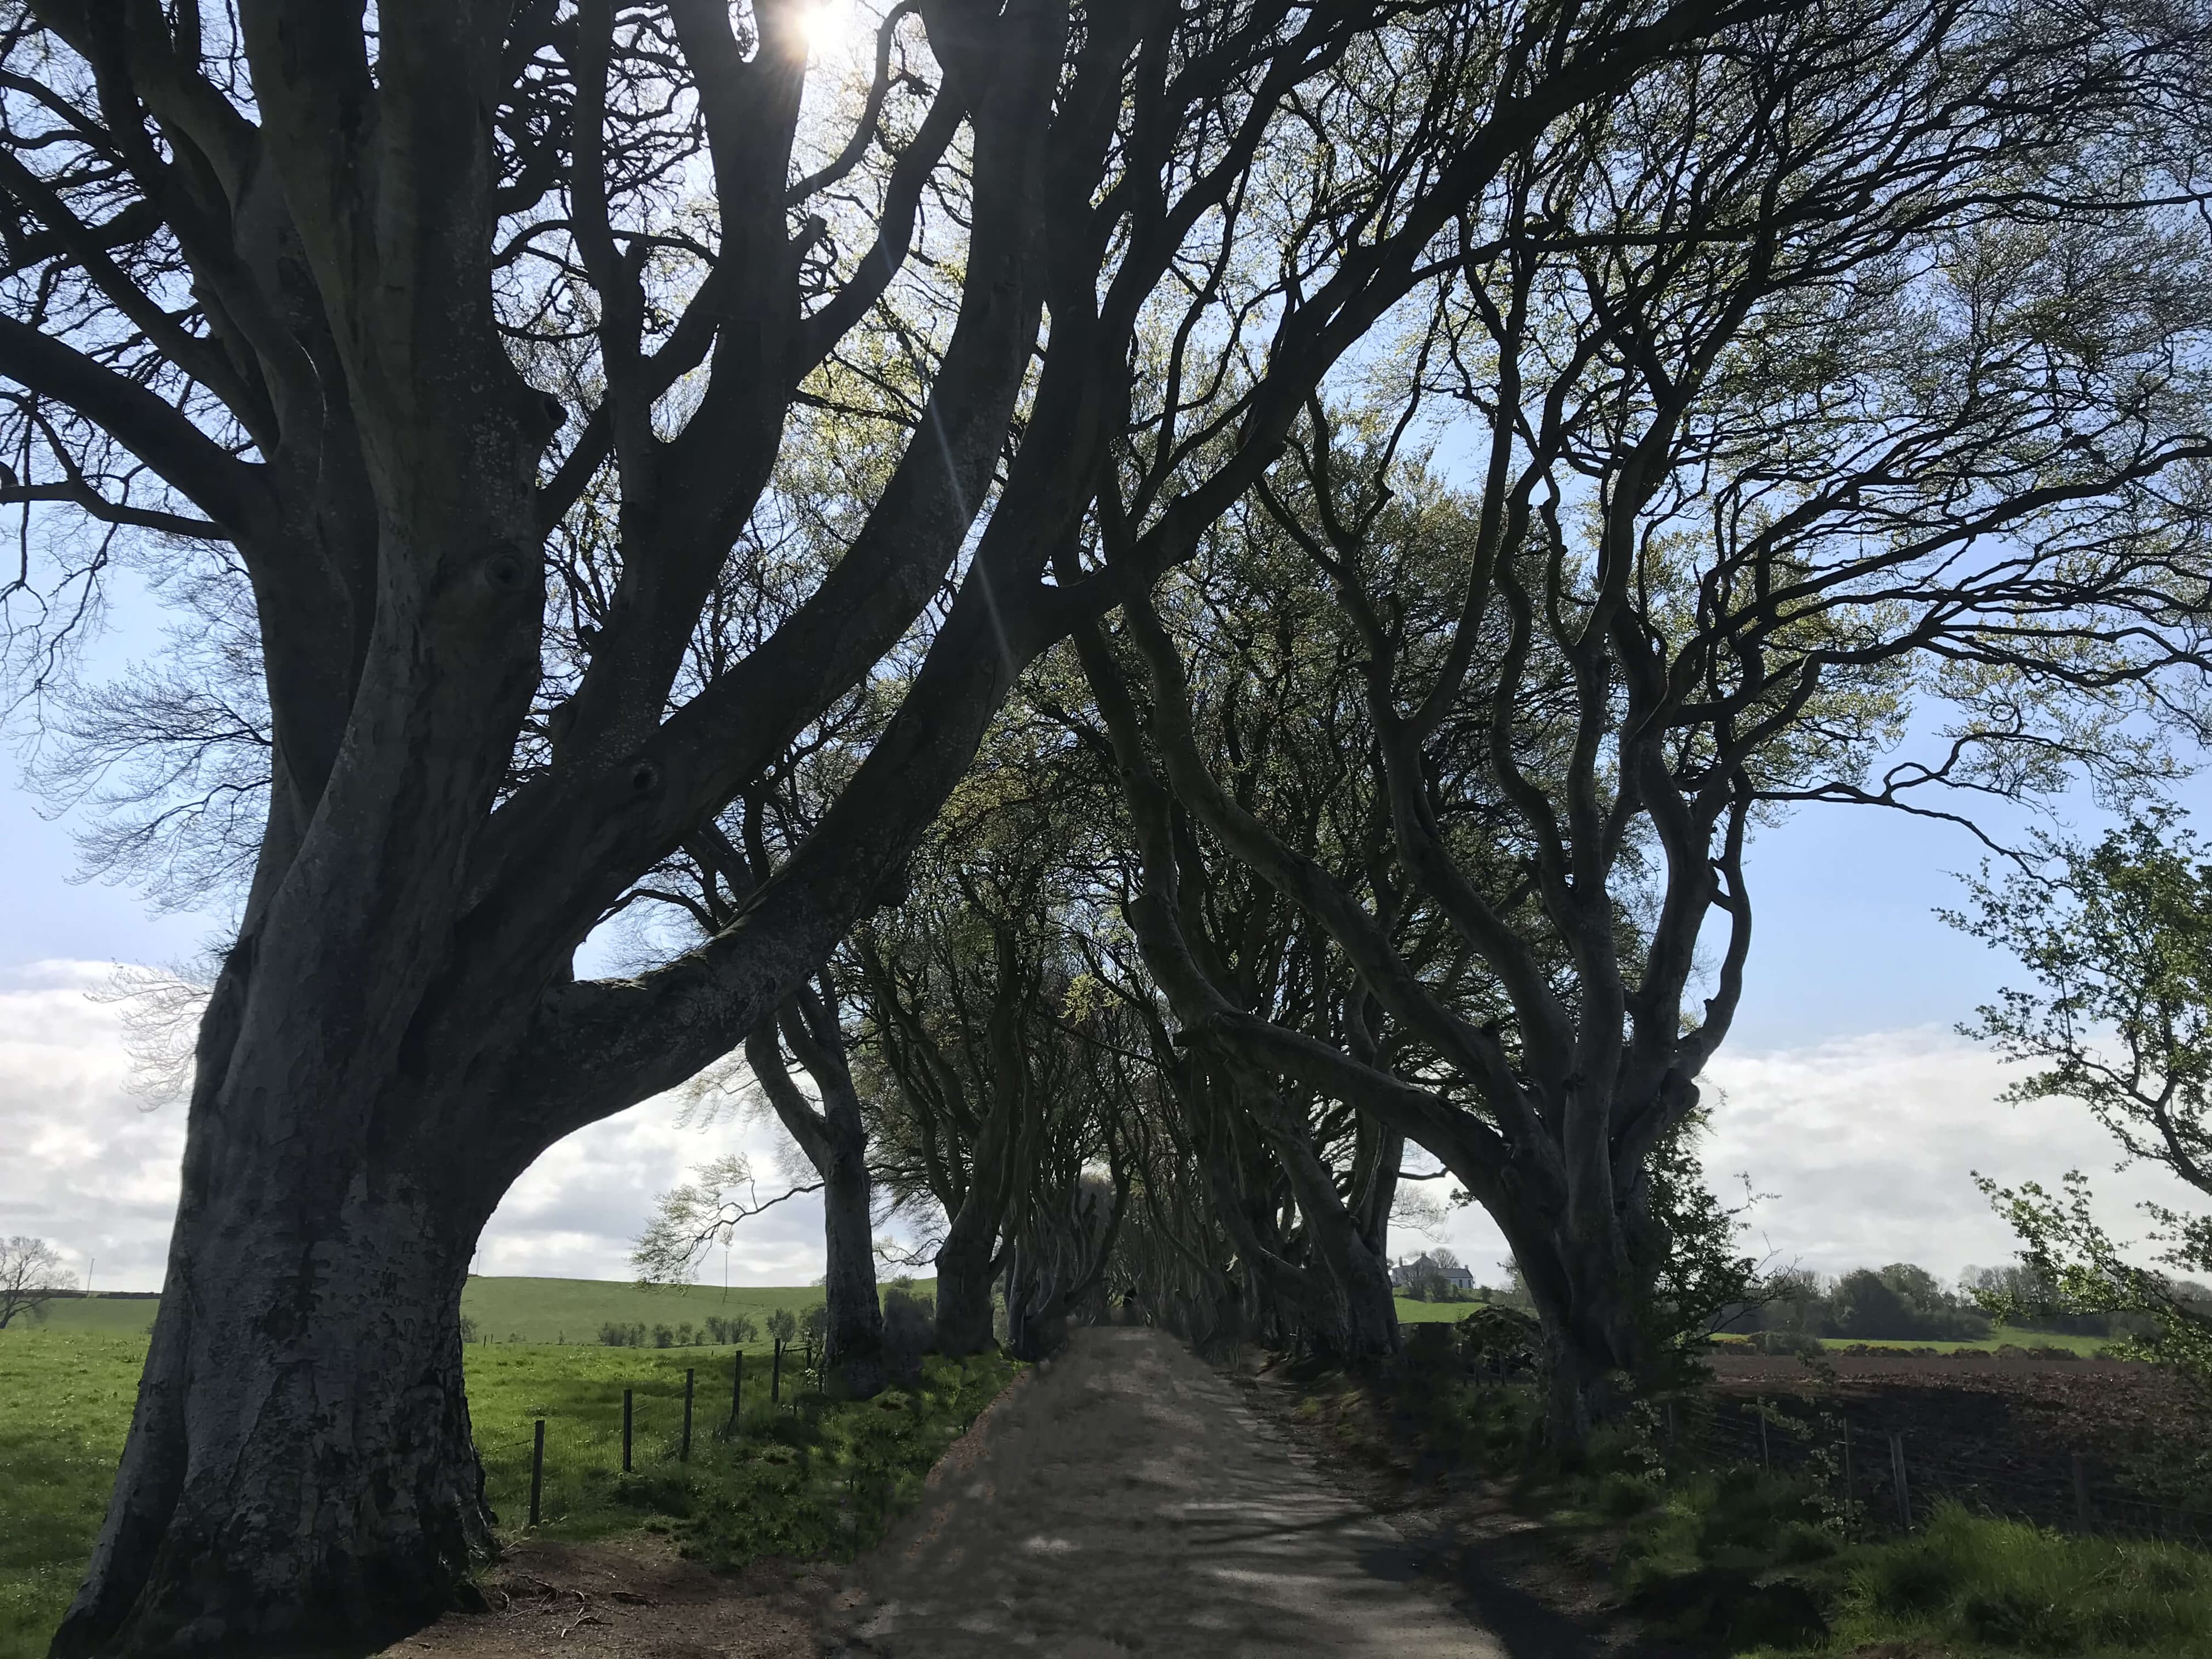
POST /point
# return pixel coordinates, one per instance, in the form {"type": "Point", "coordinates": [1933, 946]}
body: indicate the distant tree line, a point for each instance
{"type": "Point", "coordinates": [1904, 1302]}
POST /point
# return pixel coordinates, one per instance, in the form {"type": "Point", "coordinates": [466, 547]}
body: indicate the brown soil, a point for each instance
{"type": "Point", "coordinates": [632, 1598]}
{"type": "Point", "coordinates": [2011, 1423]}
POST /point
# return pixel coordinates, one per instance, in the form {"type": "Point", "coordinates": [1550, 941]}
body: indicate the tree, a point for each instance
{"type": "Point", "coordinates": [31, 1275]}
{"type": "Point", "coordinates": [462, 343]}
{"type": "Point", "coordinates": [2118, 938]}
{"type": "Point", "coordinates": [1798, 406]}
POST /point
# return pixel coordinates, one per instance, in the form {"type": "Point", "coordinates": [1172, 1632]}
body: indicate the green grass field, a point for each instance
{"type": "Point", "coordinates": [513, 1310]}
{"type": "Point", "coordinates": [1411, 1312]}
{"type": "Point", "coordinates": [811, 1479]}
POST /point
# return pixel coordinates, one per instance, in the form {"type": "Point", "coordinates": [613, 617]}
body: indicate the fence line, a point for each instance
{"type": "Point", "coordinates": [1890, 1477]}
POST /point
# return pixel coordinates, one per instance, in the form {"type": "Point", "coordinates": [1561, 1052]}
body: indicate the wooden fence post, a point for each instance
{"type": "Point", "coordinates": [537, 1470]}
{"type": "Point", "coordinates": [736, 1385]}
{"type": "Point", "coordinates": [1765, 1455]}
{"type": "Point", "coordinates": [775, 1375]}
{"type": "Point", "coordinates": [2083, 1515]}
{"type": "Point", "coordinates": [684, 1455]}
{"type": "Point", "coordinates": [1897, 1468]}
{"type": "Point", "coordinates": [626, 1425]}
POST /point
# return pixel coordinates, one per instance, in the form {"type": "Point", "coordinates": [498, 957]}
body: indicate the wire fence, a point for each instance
{"type": "Point", "coordinates": [1883, 1478]}
{"type": "Point", "coordinates": [1879, 1469]}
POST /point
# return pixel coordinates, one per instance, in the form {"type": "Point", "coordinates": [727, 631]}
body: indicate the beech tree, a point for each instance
{"type": "Point", "coordinates": [1858, 375]}
{"type": "Point", "coordinates": [467, 338]}
{"type": "Point", "coordinates": [2118, 937]}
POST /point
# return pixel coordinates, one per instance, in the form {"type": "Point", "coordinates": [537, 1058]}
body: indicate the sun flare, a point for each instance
{"type": "Point", "coordinates": [828, 25]}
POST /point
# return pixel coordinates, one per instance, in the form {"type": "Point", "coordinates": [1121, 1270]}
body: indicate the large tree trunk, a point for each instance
{"type": "Point", "coordinates": [1356, 1310]}
{"type": "Point", "coordinates": [963, 1284]}
{"type": "Point", "coordinates": [835, 1141]}
{"type": "Point", "coordinates": [853, 1363]}
{"type": "Point", "coordinates": [299, 1477]}
{"type": "Point", "coordinates": [1589, 1295]}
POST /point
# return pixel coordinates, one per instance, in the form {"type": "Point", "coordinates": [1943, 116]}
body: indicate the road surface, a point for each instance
{"type": "Point", "coordinates": [1124, 1500]}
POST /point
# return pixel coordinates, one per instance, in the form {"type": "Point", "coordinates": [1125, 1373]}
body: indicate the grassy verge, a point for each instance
{"type": "Point", "coordinates": [1743, 1563]}
{"type": "Point", "coordinates": [810, 1479]}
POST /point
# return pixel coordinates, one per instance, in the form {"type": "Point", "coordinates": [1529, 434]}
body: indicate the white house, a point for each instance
{"type": "Point", "coordinates": [1426, 1267]}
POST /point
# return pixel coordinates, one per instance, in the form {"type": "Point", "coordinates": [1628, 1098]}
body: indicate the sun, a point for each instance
{"type": "Point", "coordinates": [828, 26]}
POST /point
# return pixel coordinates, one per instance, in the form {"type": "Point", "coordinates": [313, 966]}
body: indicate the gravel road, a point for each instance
{"type": "Point", "coordinates": [1123, 1500]}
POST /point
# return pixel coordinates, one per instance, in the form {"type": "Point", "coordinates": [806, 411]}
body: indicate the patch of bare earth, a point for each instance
{"type": "Point", "coordinates": [632, 1598]}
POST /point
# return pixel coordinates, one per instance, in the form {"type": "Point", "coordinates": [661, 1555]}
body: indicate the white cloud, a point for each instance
{"type": "Point", "coordinates": [1869, 1143]}
{"type": "Point", "coordinates": [84, 1166]}
{"type": "Point", "coordinates": [1866, 1141]}
{"type": "Point", "coordinates": [576, 1210]}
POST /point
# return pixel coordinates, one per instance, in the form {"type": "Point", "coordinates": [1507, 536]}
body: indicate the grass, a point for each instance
{"type": "Point", "coordinates": [98, 1316]}
{"type": "Point", "coordinates": [1976, 1585]}
{"type": "Point", "coordinates": [1739, 1562]}
{"type": "Point", "coordinates": [550, 1310]}
{"type": "Point", "coordinates": [65, 1400]}
{"type": "Point", "coordinates": [1411, 1312]}
{"type": "Point", "coordinates": [809, 1479]}
{"type": "Point", "coordinates": [1751, 1563]}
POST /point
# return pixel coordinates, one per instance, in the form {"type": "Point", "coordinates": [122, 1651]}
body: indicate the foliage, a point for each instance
{"type": "Point", "coordinates": [1717, 539]}
{"type": "Point", "coordinates": [2078, 1269]}
{"type": "Point", "coordinates": [2118, 938]}
{"type": "Point", "coordinates": [1738, 1560]}
{"type": "Point", "coordinates": [1900, 1301]}
{"type": "Point", "coordinates": [1702, 1276]}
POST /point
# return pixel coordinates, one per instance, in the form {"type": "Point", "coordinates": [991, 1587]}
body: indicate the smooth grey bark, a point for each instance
{"type": "Point", "coordinates": [835, 1141]}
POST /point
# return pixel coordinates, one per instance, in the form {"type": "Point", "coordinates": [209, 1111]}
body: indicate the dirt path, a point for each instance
{"type": "Point", "coordinates": [629, 1598]}
{"type": "Point", "coordinates": [1126, 1500]}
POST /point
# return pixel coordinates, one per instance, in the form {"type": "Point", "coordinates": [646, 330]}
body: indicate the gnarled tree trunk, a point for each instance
{"type": "Point", "coordinates": [300, 1476]}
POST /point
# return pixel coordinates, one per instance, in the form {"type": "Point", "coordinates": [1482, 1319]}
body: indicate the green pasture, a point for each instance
{"type": "Point", "coordinates": [808, 1478]}
{"type": "Point", "coordinates": [553, 1311]}
{"type": "Point", "coordinates": [98, 1316]}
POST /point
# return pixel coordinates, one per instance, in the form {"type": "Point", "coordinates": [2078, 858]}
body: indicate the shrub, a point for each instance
{"type": "Point", "coordinates": [908, 1330]}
